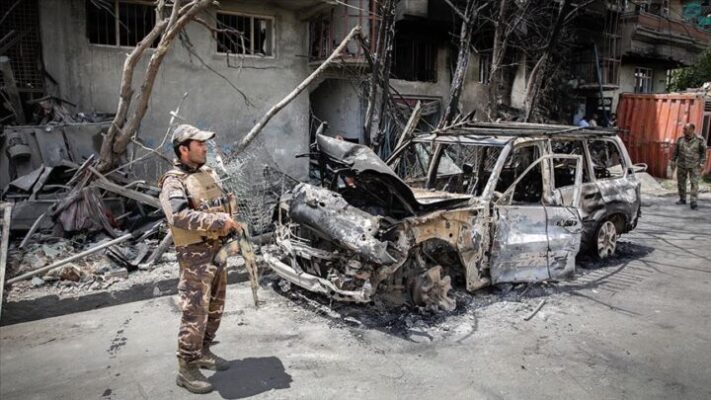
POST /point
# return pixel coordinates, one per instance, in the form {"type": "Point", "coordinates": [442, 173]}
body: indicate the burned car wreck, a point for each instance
{"type": "Point", "coordinates": [480, 206]}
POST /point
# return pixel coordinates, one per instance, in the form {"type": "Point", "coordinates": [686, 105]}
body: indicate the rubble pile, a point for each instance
{"type": "Point", "coordinates": [74, 227]}
{"type": "Point", "coordinates": [94, 272]}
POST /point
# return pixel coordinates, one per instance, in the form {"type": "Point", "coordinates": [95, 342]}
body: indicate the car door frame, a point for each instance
{"type": "Point", "coordinates": [534, 242]}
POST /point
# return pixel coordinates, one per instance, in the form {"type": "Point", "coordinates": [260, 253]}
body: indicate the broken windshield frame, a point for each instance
{"type": "Point", "coordinates": [463, 166]}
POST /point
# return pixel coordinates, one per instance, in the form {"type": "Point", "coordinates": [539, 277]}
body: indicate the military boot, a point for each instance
{"type": "Point", "coordinates": [681, 201]}
{"type": "Point", "coordinates": [190, 377]}
{"type": "Point", "coordinates": [210, 361]}
{"type": "Point", "coordinates": [694, 206]}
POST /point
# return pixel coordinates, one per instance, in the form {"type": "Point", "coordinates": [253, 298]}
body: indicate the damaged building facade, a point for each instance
{"type": "Point", "coordinates": [636, 44]}
{"type": "Point", "coordinates": [75, 50]}
{"type": "Point", "coordinates": [78, 48]}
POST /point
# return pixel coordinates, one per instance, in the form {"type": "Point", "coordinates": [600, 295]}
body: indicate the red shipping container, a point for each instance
{"type": "Point", "coordinates": [651, 123]}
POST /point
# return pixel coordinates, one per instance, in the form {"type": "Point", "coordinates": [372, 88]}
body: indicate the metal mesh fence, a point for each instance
{"type": "Point", "coordinates": [254, 178]}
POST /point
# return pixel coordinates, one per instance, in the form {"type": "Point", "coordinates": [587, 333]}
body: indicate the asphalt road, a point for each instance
{"type": "Point", "coordinates": [637, 327]}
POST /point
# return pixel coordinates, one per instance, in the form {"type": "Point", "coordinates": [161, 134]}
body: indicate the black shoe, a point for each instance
{"type": "Point", "coordinates": [681, 201]}
{"type": "Point", "coordinates": [694, 206]}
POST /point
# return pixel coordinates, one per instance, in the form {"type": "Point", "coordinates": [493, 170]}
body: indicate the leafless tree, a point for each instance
{"type": "Point", "coordinates": [171, 19]}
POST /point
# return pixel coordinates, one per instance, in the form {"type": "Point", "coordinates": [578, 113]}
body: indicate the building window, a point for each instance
{"type": "Point", "coordinates": [642, 80]}
{"type": "Point", "coordinates": [116, 22]}
{"type": "Point", "coordinates": [484, 67]}
{"type": "Point", "coordinates": [415, 59]}
{"type": "Point", "coordinates": [245, 35]}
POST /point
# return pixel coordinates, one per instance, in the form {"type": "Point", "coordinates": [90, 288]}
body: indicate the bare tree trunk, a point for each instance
{"type": "Point", "coordinates": [122, 130]}
{"type": "Point", "coordinates": [455, 91]}
{"type": "Point", "coordinates": [535, 80]}
{"type": "Point", "coordinates": [374, 79]}
{"type": "Point", "coordinates": [389, 22]}
{"type": "Point", "coordinates": [497, 57]}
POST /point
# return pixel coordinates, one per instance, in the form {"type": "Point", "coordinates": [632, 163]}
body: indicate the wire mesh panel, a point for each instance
{"type": "Point", "coordinates": [21, 25]}
{"type": "Point", "coordinates": [254, 178]}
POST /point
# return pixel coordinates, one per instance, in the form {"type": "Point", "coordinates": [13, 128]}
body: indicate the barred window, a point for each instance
{"type": "Point", "coordinates": [643, 80]}
{"type": "Point", "coordinates": [118, 22]}
{"type": "Point", "coordinates": [245, 34]}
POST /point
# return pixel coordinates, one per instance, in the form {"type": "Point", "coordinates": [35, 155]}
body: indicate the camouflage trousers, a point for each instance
{"type": "Point", "coordinates": [201, 289]}
{"type": "Point", "coordinates": [693, 175]}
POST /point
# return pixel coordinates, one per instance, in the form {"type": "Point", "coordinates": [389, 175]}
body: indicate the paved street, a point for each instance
{"type": "Point", "coordinates": [638, 327]}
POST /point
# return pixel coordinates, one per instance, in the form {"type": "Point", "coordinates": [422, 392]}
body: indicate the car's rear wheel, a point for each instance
{"type": "Point", "coordinates": [606, 239]}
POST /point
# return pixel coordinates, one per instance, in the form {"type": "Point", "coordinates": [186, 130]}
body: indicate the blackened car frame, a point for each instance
{"type": "Point", "coordinates": [484, 204]}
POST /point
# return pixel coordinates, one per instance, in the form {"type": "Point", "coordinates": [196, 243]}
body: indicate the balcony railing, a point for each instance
{"type": "Point", "coordinates": [586, 73]}
{"type": "Point", "coordinates": [666, 29]}
{"type": "Point", "coordinates": [328, 29]}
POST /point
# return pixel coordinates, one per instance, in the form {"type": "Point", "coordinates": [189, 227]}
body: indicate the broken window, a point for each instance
{"type": "Point", "coordinates": [319, 34]}
{"type": "Point", "coordinates": [328, 29]}
{"type": "Point", "coordinates": [530, 189]}
{"type": "Point", "coordinates": [415, 58]}
{"type": "Point", "coordinates": [474, 164]}
{"type": "Point", "coordinates": [413, 163]}
{"type": "Point", "coordinates": [607, 161]}
{"type": "Point", "coordinates": [642, 80]}
{"type": "Point", "coordinates": [564, 168]}
{"type": "Point", "coordinates": [245, 34]}
{"type": "Point", "coordinates": [121, 23]}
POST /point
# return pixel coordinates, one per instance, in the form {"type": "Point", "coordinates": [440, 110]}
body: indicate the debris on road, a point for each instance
{"type": "Point", "coordinates": [535, 310]}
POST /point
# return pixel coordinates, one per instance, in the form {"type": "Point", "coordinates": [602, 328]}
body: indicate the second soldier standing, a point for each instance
{"type": "Point", "coordinates": [689, 158]}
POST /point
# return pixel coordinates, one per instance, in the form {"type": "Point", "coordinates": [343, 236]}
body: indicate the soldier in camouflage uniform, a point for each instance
{"type": "Point", "coordinates": [193, 201]}
{"type": "Point", "coordinates": [689, 159]}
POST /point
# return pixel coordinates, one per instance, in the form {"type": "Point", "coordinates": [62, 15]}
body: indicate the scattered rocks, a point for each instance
{"type": "Point", "coordinates": [37, 282]}
{"type": "Point", "coordinates": [121, 273]}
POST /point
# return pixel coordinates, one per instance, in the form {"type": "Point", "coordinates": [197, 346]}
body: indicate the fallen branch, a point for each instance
{"type": "Point", "coordinates": [535, 311]}
{"type": "Point", "coordinates": [32, 230]}
{"type": "Point", "coordinates": [103, 183]}
{"type": "Point", "coordinates": [158, 252]}
{"type": "Point", "coordinates": [291, 96]}
{"type": "Point", "coordinates": [7, 216]}
{"type": "Point", "coordinates": [70, 259]}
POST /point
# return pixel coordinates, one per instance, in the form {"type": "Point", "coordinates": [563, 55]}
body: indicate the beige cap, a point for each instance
{"type": "Point", "coordinates": [185, 132]}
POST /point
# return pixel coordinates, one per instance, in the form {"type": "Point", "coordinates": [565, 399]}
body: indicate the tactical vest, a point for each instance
{"type": "Point", "coordinates": [204, 194]}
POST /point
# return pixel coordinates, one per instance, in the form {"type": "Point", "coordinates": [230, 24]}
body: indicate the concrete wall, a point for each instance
{"type": "Point", "coordinates": [340, 103]}
{"type": "Point", "coordinates": [89, 75]}
{"type": "Point", "coordinates": [337, 102]}
{"type": "Point", "coordinates": [475, 94]}
{"type": "Point", "coordinates": [627, 81]}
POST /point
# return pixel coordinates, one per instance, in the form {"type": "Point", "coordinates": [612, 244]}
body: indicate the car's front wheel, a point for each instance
{"type": "Point", "coordinates": [606, 239]}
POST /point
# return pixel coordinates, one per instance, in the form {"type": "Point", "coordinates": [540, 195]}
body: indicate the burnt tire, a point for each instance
{"type": "Point", "coordinates": [604, 242]}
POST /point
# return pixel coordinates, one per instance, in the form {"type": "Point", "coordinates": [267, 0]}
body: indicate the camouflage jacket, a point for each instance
{"type": "Point", "coordinates": [689, 153]}
{"type": "Point", "coordinates": [175, 200]}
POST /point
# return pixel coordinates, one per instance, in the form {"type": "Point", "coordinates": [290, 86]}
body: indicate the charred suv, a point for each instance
{"type": "Point", "coordinates": [482, 205]}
